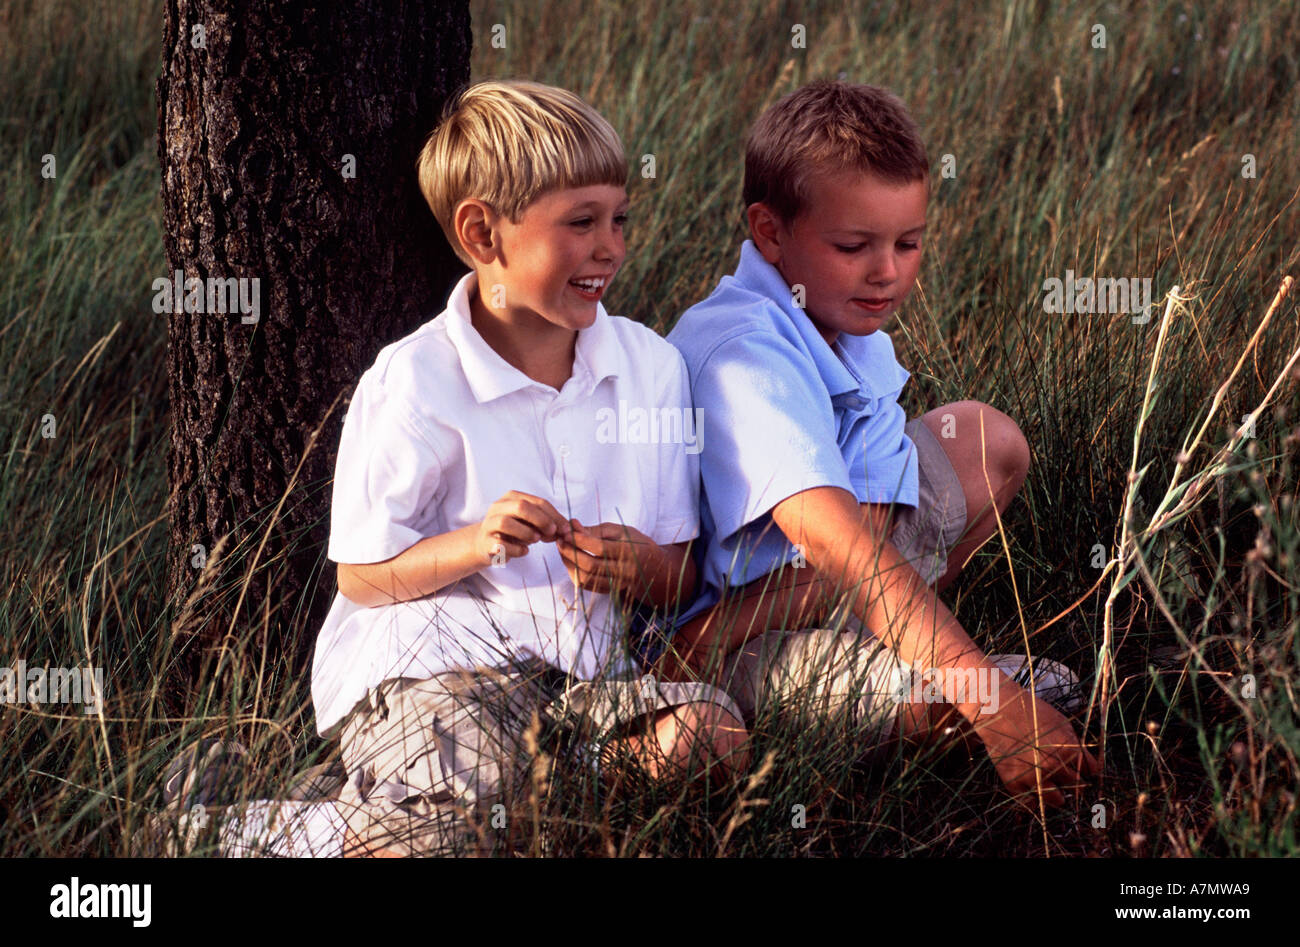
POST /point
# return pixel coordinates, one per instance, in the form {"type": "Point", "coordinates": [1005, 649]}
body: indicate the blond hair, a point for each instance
{"type": "Point", "coordinates": [508, 142]}
{"type": "Point", "coordinates": [827, 127]}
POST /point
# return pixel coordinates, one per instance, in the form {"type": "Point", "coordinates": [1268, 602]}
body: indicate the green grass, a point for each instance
{"type": "Point", "coordinates": [1123, 161]}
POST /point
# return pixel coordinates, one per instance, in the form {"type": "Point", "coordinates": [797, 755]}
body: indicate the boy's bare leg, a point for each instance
{"type": "Point", "coordinates": [675, 737]}
{"type": "Point", "coordinates": [1007, 454]}
{"type": "Point", "coordinates": [792, 598]}
{"type": "Point", "coordinates": [932, 725]}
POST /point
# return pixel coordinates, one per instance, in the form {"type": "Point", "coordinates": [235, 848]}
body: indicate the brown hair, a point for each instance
{"type": "Point", "coordinates": [825, 127]}
{"type": "Point", "coordinates": [507, 142]}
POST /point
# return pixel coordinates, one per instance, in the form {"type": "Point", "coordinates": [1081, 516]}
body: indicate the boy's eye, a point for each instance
{"type": "Point", "coordinates": [909, 246]}
{"type": "Point", "coordinates": [620, 220]}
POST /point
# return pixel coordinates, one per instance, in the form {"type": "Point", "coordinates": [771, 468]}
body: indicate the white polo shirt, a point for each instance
{"type": "Point", "coordinates": [440, 428]}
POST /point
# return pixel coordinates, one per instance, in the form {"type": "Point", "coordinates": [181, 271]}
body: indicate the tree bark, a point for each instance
{"type": "Point", "coordinates": [259, 107]}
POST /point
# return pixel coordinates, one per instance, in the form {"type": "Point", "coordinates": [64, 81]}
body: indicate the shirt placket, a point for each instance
{"type": "Point", "coordinates": [847, 407]}
{"type": "Point", "coordinates": [558, 429]}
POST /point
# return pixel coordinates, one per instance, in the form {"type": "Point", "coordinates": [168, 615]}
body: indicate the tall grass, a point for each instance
{"type": "Point", "coordinates": [1123, 161]}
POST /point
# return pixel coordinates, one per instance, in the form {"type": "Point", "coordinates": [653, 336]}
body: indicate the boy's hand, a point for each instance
{"type": "Point", "coordinates": [609, 556]}
{"type": "Point", "coordinates": [515, 522]}
{"type": "Point", "coordinates": [1008, 735]}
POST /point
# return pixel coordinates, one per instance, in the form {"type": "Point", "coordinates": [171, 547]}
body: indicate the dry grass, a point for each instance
{"type": "Point", "coordinates": [1175, 591]}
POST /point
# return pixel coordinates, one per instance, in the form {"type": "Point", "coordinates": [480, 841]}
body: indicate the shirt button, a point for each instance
{"type": "Point", "coordinates": [563, 450]}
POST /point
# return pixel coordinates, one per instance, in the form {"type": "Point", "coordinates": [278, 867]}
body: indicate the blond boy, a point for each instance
{"type": "Point", "coordinates": [483, 529]}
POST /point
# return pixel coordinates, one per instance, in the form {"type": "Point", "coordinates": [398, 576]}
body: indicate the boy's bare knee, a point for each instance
{"type": "Point", "coordinates": [1005, 444]}
{"type": "Point", "coordinates": [699, 732]}
{"type": "Point", "coordinates": [993, 447]}
{"type": "Point", "coordinates": [1014, 454]}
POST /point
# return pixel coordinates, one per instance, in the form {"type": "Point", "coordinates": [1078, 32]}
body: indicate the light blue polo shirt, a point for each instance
{"type": "Point", "coordinates": [783, 412]}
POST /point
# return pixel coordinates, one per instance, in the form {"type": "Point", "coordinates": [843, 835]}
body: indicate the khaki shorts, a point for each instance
{"type": "Point", "coordinates": [440, 766]}
{"type": "Point", "coordinates": [926, 534]}
{"type": "Point", "coordinates": [842, 676]}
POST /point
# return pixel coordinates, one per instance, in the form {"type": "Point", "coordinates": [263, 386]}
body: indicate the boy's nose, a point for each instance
{"type": "Point", "coordinates": [609, 246]}
{"type": "Point", "coordinates": [885, 271]}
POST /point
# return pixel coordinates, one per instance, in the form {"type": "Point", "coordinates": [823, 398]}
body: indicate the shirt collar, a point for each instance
{"type": "Point", "coordinates": [597, 355]}
{"type": "Point", "coordinates": [756, 274]}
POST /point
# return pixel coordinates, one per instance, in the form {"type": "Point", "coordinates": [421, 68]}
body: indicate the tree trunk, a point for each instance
{"type": "Point", "coordinates": [287, 135]}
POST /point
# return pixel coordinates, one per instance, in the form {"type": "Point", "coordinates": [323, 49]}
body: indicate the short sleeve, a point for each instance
{"type": "Point", "coordinates": [678, 518]}
{"type": "Point", "coordinates": [385, 479]}
{"type": "Point", "coordinates": [769, 429]}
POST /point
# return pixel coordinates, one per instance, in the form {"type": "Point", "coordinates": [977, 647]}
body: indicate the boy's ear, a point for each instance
{"type": "Point", "coordinates": [474, 224]}
{"type": "Point", "coordinates": [765, 230]}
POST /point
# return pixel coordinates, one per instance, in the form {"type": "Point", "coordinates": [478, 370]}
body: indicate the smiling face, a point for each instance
{"type": "Point", "coordinates": [855, 249]}
{"type": "Point", "coordinates": [555, 263]}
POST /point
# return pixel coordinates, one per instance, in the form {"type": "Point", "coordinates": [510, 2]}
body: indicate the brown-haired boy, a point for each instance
{"type": "Point", "coordinates": [819, 496]}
